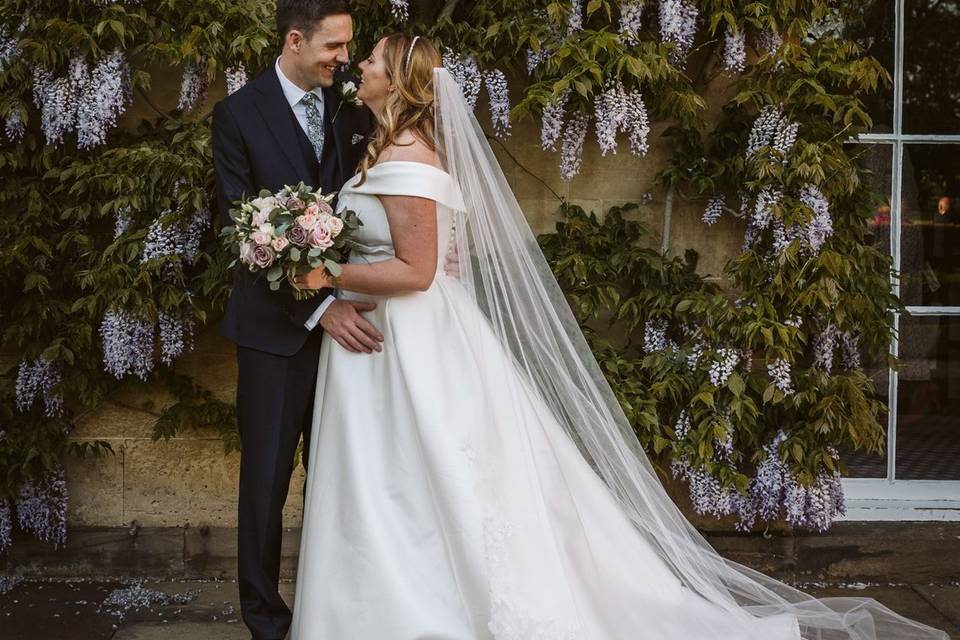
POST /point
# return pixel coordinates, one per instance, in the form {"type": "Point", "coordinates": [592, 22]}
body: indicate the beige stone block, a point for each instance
{"type": "Point", "coordinates": [96, 488]}
{"type": "Point", "coordinates": [113, 420]}
{"type": "Point", "coordinates": [190, 482]}
{"type": "Point", "coordinates": [180, 482]}
{"type": "Point", "coordinates": [213, 370]}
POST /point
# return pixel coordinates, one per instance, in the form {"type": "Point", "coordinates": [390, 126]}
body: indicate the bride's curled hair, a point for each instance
{"type": "Point", "coordinates": [411, 105]}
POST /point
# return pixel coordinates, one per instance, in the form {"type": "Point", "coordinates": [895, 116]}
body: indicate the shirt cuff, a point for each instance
{"type": "Point", "coordinates": [315, 316]}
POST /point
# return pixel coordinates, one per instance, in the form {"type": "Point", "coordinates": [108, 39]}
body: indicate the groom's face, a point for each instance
{"type": "Point", "coordinates": [317, 57]}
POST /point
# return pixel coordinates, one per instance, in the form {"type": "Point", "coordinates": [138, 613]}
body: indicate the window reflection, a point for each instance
{"type": "Point", "coordinates": [931, 75]}
{"type": "Point", "coordinates": [928, 412]}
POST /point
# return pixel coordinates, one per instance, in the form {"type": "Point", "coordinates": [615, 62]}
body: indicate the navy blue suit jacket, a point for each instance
{"type": "Point", "coordinates": [258, 144]}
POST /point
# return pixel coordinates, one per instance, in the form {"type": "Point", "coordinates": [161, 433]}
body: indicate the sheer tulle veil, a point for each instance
{"type": "Point", "coordinates": [504, 271]}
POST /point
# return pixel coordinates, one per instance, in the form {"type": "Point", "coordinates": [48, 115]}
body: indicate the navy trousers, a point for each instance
{"type": "Point", "coordinates": [274, 408]}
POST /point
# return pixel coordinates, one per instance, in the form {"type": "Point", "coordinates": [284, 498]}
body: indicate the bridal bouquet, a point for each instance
{"type": "Point", "coordinates": [289, 233]}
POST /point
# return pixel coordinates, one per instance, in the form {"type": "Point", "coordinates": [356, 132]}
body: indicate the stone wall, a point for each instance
{"type": "Point", "coordinates": [188, 481]}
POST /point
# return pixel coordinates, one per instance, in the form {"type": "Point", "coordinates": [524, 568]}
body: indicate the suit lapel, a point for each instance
{"type": "Point", "coordinates": [333, 111]}
{"type": "Point", "coordinates": [280, 121]}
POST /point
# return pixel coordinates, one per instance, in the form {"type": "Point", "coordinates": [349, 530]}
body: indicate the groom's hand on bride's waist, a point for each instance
{"type": "Point", "coordinates": [342, 320]}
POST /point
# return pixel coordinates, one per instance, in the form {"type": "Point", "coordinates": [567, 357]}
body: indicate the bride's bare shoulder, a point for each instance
{"type": "Point", "coordinates": [409, 148]}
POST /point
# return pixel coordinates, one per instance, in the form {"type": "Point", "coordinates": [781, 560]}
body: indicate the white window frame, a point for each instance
{"type": "Point", "coordinates": [890, 498]}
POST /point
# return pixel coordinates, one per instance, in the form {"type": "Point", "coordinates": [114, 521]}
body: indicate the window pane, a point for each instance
{"type": "Point", "coordinates": [930, 225]}
{"type": "Point", "coordinates": [931, 75]}
{"type": "Point", "coordinates": [873, 27]}
{"type": "Point", "coordinates": [928, 411]}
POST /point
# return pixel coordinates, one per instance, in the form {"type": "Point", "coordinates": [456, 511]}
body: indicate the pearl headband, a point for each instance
{"type": "Point", "coordinates": [410, 52]}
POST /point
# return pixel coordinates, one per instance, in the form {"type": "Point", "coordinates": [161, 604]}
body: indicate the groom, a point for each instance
{"type": "Point", "coordinates": [286, 126]}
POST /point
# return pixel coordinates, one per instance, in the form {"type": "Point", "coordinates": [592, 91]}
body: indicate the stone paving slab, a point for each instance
{"type": "Point", "coordinates": [60, 609]}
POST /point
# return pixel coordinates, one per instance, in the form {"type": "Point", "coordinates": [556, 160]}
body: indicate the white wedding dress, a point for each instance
{"type": "Point", "coordinates": [409, 533]}
{"type": "Point", "coordinates": [478, 480]}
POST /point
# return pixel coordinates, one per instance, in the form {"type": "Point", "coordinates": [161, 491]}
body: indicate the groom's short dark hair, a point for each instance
{"type": "Point", "coordinates": [304, 15]}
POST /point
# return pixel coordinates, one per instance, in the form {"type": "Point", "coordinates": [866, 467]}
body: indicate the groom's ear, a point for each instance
{"type": "Point", "coordinates": [294, 39]}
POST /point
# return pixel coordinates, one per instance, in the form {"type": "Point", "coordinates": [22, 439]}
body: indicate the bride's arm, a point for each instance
{"type": "Point", "coordinates": [413, 227]}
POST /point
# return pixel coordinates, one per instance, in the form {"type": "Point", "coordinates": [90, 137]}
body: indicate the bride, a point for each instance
{"type": "Point", "coordinates": [476, 479]}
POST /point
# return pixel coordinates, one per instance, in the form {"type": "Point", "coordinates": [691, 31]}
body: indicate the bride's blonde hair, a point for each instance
{"type": "Point", "coordinates": [411, 106]}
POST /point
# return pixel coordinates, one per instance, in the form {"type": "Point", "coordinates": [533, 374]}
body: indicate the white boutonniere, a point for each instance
{"type": "Point", "coordinates": [348, 93]}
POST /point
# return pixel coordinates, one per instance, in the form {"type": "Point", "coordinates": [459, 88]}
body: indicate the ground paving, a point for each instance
{"type": "Point", "coordinates": [75, 609]}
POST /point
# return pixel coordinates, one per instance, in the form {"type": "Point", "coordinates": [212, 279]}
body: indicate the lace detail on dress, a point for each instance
{"type": "Point", "coordinates": [510, 617]}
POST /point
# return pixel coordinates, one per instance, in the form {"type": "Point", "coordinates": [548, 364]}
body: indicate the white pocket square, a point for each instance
{"type": "Point", "coordinates": [356, 139]}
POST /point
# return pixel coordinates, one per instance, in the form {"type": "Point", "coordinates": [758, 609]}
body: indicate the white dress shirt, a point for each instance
{"type": "Point", "coordinates": [294, 96]}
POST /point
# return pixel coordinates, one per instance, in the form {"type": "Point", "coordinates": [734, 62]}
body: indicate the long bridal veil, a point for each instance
{"type": "Point", "coordinates": [505, 272]}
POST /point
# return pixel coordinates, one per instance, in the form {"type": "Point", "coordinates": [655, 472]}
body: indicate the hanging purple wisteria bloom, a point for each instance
{"type": "Point", "coordinates": [575, 19]}
{"type": "Point", "coordinates": [772, 128]}
{"type": "Point", "coordinates": [13, 125]}
{"type": "Point", "coordinates": [42, 508]}
{"type": "Point", "coordinates": [850, 348]}
{"type": "Point", "coordinates": [820, 227]}
{"type": "Point", "coordinates": [779, 371]}
{"type": "Point", "coordinates": [39, 378]}
{"type": "Point", "coordinates": [9, 48]}
{"type": "Point", "coordinates": [465, 71]}
{"type": "Point", "coordinates": [236, 78]}
{"type": "Point", "coordinates": [553, 117]}
{"type": "Point", "coordinates": [194, 85]}
{"type": "Point", "coordinates": [499, 93]}
{"type": "Point", "coordinates": [104, 98]}
{"type": "Point", "coordinates": [724, 364]}
{"type": "Point", "coordinates": [122, 221]}
{"type": "Point", "coordinates": [176, 336]}
{"type": "Point", "coordinates": [400, 9]}
{"type": "Point", "coordinates": [678, 26]}
{"type": "Point", "coordinates": [571, 152]}
{"type": "Point", "coordinates": [734, 50]}
{"type": "Point", "coordinates": [714, 209]}
{"type": "Point", "coordinates": [824, 344]}
{"type": "Point", "coordinates": [127, 344]}
{"type": "Point", "coordinates": [631, 21]}
{"type": "Point", "coordinates": [6, 528]}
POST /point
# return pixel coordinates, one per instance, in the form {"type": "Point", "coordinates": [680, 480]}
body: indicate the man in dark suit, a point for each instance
{"type": "Point", "coordinates": [286, 126]}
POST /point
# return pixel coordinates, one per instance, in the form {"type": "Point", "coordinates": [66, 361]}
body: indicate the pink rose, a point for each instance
{"type": "Point", "coordinates": [325, 207]}
{"type": "Point", "coordinates": [280, 243]}
{"type": "Point", "coordinates": [307, 220]}
{"type": "Point", "coordinates": [297, 235]}
{"type": "Point", "coordinates": [313, 209]}
{"type": "Point", "coordinates": [261, 237]}
{"type": "Point", "coordinates": [246, 252]}
{"type": "Point", "coordinates": [320, 237]}
{"type": "Point", "coordinates": [263, 256]}
{"type": "Point", "coordinates": [294, 203]}
{"type": "Point", "coordinates": [335, 225]}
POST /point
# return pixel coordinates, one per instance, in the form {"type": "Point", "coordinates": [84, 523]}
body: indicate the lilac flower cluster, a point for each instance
{"type": "Point", "coordinates": [194, 85]}
{"type": "Point", "coordinates": [631, 17]}
{"type": "Point", "coordinates": [535, 59]}
{"type": "Point", "coordinates": [575, 19]}
{"type": "Point", "coordinates": [734, 50]}
{"type": "Point", "coordinates": [552, 128]}
{"type": "Point", "coordinates": [708, 496]}
{"type": "Point", "coordinates": [816, 506]}
{"type": "Point", "coordinates": [39, 378]}
{"type": "Point", "coordinates": [850, 348]}
{"type": "Point", "coordinates": [236, 77]}
{"type": "Point", "coordinates": [618, 110]}
{"type": "Point", "coordinates": [761, 215]}
{"type": "Point", "coordinates": [571, 152]}
{"type": "Point", "coordinates": [779, 371]}
{"type": "Point", "coordinates": [696, 352]}
{"type": "Point", "coordinates": [42, 508]}
{"type": "Point", "coordinates": [465, 71]}
{"type": "Point", "coordinates": [499, 94]}
{"type": "Point", "coordinates": [122, 221]}
{"type": "Point", "coordinates": [724, 364]}
{"type": "Point", "coordinates": [127, 344]}
{"type": "Point", "coordinates": [821, 226]}
{"type": "Point", "coordinates": [13, 125]}
{"type": "Point", "coordinates": [86, 101]}
{"type": "Point", "coordinates": [176, 336]}
{"type": "Point", "coordinates": [6, 530]}
{"type": "Point", "coordinates": [175, 238]}
{"type": "Point", "coordinates": [655, 336]}
{"type": "Point", "coordinates": [682, 426]}
{"type": "Point", "coordinates": [9, 48]}
{"type": "Point", "coordinates": [824, 344]}
{"type": "Point", "coordinates": [769, 42]}
{"type": "Point", "coordinates": [678, 26]}
{"type": "Point", "coordinates": [714, 209]}
{"type": "Point", "coordinates": [400, 9]}
{"type": "Point", "coordinates": [772, 128]}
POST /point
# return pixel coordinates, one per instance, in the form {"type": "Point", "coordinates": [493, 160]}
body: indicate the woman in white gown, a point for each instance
{"type": "Point", "coordinates": [475, 479]}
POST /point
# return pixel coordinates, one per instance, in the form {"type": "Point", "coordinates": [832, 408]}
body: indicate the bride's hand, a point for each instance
{"type": "Point", "coordinates": [318, 278]}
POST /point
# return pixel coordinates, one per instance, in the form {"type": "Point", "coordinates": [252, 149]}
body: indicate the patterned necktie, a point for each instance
{"type": "Point", "coordinates": [314, 123]}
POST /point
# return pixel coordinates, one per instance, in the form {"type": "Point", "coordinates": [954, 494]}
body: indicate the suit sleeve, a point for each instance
{"type": "Point", "coordinates": [231, 167]}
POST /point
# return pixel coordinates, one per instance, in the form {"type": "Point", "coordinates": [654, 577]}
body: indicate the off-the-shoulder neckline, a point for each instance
{"type": "Point", "coordinates": [422, 164]}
